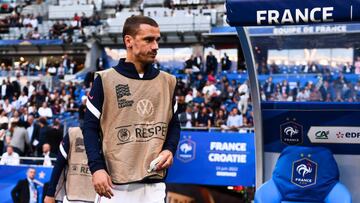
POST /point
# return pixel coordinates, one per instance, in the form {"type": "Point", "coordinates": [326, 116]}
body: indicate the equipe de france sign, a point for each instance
{"type": "Point", "coordinates": [291, 12]}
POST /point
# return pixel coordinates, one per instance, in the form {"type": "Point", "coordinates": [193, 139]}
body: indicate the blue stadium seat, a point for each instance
{"type": "Point", "coordinates": [306, 175]}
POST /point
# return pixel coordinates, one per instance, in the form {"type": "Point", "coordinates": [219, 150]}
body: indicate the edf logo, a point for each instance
{"type": "Point", "coordinates": [304, 172]}
{"type": "Point", "coordinates": [186, 150]}
{"type": "Point", "coordinates": [291, 133]}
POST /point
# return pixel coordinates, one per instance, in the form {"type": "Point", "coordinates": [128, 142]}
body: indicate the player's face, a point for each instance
{"type": "Point", "coordinates": [145, 44]}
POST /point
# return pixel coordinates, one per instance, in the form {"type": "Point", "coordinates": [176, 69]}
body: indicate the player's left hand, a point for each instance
{"type": "Point", "coordinates": [166, 161]}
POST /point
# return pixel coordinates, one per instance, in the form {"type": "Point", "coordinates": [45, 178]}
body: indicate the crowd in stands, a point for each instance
{"type": "Point", "coordinates": [207, 98]}
{"type": "Point", "coordinates": [59, 30]}
{"type": "Point", "coordinates": [171, 12]}
{"type": "Point", "coordinates": [65, 28]}
{"type": "Point", "coordinates": [33, 117]}
{"type": "Point", "coordinates": [8, 7]}
{"type": "Point", "coordinates": [26, 68]}
{"type": "Point", "coordinates": [332, 84]}
{"type": "Point", "coordinates": [196, 64]}
{"type": "Point", "coordinates": [327, 89]}
{"type": "Point", "coordinates": [19, 20]}
{"type": "Point", "coordinates": [347, 68]}
{"type": "Point", "coordinates": [15, 18]}
{"type": "Point", "coordinates": [208, 102]}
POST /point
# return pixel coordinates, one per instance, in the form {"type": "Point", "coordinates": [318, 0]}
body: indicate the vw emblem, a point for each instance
{"type": "Point", "coordinates": [145, 108]}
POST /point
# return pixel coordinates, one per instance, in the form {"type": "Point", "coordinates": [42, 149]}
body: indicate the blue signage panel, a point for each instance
{"type": "Point", "coordinates": [304, 29]}
{"type": "Point", "coordinates": [214, 159]}
{"type": "Point", "coordinates": [287, 12]}
{"type": "Point", "coordinates": [291, 30]}
{"type": "Point", "coordinates": [10, 175]}
{"type": "Point", "coordinates": [31, 42]}
{"type": "Point", "coordinates": [332, 125]}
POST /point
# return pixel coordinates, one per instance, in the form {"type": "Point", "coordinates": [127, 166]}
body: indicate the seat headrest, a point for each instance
{"type": "Point", "coordinates": [305, 173]}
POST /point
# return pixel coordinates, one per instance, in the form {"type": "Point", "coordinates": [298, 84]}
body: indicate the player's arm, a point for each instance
{"type": "Point", "coordinates": [91, 129]}
{"type": "Point", "coordinates": [61, 162]}
{"type": "Point", "coordinates": [172, 139]}
{"type": "Point", "coordinates": [92, 140]}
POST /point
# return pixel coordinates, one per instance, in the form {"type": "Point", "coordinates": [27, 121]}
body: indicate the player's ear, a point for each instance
{"type": "Point", "coordinates": [128, 41]}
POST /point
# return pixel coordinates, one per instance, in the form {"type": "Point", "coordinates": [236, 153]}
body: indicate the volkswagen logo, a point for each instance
{"type": "Point", "coordinates": [145, 108]}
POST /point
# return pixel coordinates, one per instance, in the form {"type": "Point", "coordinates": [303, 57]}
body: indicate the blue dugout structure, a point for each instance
{"type": "Point", "coordinates": [277, 125]}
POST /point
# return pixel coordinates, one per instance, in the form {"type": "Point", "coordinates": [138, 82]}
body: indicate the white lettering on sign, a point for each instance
{"type": "Point", "coordinates": [301, 15]}
{"type": "Point", "coordinates": [225, 173]}
{"type": "Point", "coordinates": [273, 16]}
{"type": "Point", "coordinates": [312, 15]}
{"type": "Point", "coordinates": [260, 16]}
{"type": "Point", "coordinates": [293, 30]}
{"type": "Point", "coordinates": [327, 14]}
{"type": "Point", "coordinates": [287, 18]}
{"type": "Point", "coordinates": [228, 146]}
{"type": "Point", "coordinates": [227, 158]}
{"type": "Point", "coordinates": [317, 14]}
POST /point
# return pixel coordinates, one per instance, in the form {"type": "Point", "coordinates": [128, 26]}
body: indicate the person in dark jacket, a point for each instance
{"type": "Point", "coordinates": [33, 132]}
{"type": "Point", "coordinates": [25, 190]}
{"type": "Point", "coordinates": [211, 63]}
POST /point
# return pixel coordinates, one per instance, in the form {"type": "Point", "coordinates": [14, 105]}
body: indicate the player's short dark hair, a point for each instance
{"type": "Point", "coordinates": [132, 24]}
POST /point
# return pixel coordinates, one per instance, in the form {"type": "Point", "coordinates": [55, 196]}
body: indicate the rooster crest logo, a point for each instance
{"type": "Point", "coordinates": [290, 131]}
{"type": "Point", "coordinates": [303, 169]}
{"type": "Point", "coordinates": [185, 148]}
{"type": "Point", "coordinates": [304, 172]}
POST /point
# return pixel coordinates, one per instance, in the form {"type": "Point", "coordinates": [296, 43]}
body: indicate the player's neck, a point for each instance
{"type": "Point", "coordinates": [140, 67]}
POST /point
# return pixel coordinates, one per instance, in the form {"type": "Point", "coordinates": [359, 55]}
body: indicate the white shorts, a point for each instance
{"type": "Point", "coordinates": [136, 193]}
{"type": "Point", "coordinates": [65, 200]}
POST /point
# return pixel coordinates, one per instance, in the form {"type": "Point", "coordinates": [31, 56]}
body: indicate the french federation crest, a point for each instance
{"type": "Point", "coordinates": [304, 172]}
{"type": "Point", "coordinates": [186, 150]}
{"type": "Point", "coordinates": [291, 133]}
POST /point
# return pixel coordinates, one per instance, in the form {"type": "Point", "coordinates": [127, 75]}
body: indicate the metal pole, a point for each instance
{"type": "Point", "coordinates": [256, 101]}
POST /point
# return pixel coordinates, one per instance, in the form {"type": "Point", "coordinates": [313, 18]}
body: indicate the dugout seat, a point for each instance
{"type": "Point", "coordinates": [304, 175]}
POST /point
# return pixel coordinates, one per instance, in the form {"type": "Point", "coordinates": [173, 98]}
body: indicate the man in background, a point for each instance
{"type": "Point", "coordinates": [25, 190]}
{"type": "Point", "coordinates": [10, 157]}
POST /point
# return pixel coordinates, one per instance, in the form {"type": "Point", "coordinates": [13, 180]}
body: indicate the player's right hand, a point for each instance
{"type": "Point", "coordinates": [49, 199]}
{"type": "Point", "coordinates": [102, 183]}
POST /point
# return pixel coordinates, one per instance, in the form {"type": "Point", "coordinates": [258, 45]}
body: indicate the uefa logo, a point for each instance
{"type": "Point", "coordinates": [186, 150]}
{"type": "Point", "coordinates": [124, 136]}
{"type": "Point", "coordinates": [145, 108]}
{"type": "Point", "coordinates": [291, 133]}
{"type": "Point", "coordinates": [304, 172]}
